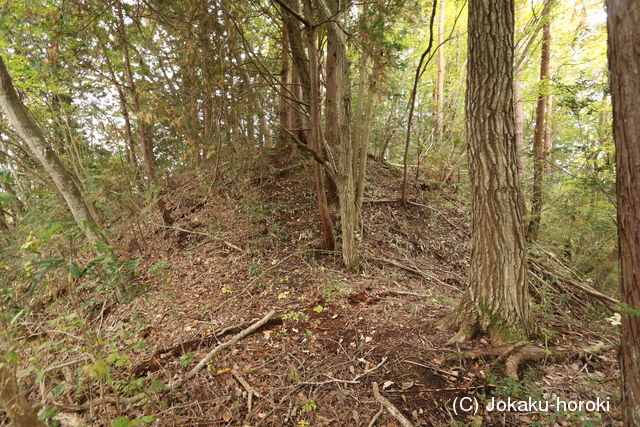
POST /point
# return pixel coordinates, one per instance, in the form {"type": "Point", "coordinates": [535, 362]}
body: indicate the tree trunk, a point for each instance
{"type": "Point", "coordinates": [123, 109]}
{"type": "Point", "coordinates": [33, 136]}
{"type": "Point", "coordinates": [441, 74]}
{"type": "Point", "coordinates": [548, 133]}
{"type": "Point", "coordinates": [519, 119]}
{"type": "Point", "coordinates": [497, 300]}
{"type": "Point", "coordinates": [331, 102]}
{"type": "Point", "coordinates": [623, 22]}
{"type": "Point", "coordinates": [538, 139]}
{"type": "Point", "coordinates": [300, 80]}
{"type": "Point", "coordinates": [328, 240]}
{"type": "Point", "coordinates": [363, 145]}
{"type": "Point", "coordinates": [284, 107]}
{"type": "Point", "coordinates": [144, 136]}
{"type": "Point", "coordinates": [345, 175]}
{"type": "Point", "coordinates": [412, 106]}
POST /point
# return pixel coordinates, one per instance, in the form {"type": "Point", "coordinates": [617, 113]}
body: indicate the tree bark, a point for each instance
{"type": "Point", "coordinates": [33, 136]}
{"type": "Point", "coordinates": [519, 119]}
{"type": "Point", "coordinates": [345, 176]}
{"type": "Point", "coordinates": [284, 108]}
{"type": "Point", "coordinates": [328, 240]}
{"type": "Point", "coordinates": [623, 22]}
{"type": "Point", "coordinates": [539, 156]}
{"type": "Point", "coordinates": [497, 300]}
{"type": "Point", "coordinates": [331, 102]}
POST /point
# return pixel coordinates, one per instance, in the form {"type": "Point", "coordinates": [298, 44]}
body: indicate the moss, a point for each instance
{"type": "Point", "coordinates": [500, 329]}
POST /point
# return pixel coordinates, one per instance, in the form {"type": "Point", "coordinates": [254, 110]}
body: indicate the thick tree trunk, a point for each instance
{"type": "Point", "coordinates": [623, 23]}
{"type": "Point", "coordinates": [538, 139]}
{"type": "Point", "coordinates": [33, 136]}
{"type": "Point", "coordinates": [441, 74]}
{"type": "Point", "coordinates": [497, 300]}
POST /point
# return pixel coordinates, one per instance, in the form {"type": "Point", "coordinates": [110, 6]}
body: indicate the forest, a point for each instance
{"type": "Point", "coordinates": [319, 213]}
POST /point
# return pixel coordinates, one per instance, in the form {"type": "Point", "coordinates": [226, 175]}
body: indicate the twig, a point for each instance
{"type": "Point", "coordinates": [404, 421]}
{"type": "Point", "coordinates": [355, 380]}
{"type": "Point", "coordinates": [136, 399]}
{"type": "Point", "coordinates": [499, 350]}
{"type": "Point", "coordinates": [268, 269]}
{"type": "Point", "coordinates": [250, 390]}
{"type": "Point", "coordinates": [62, 365]}
{"type": "Point", "coordinates": [608, 301]}
{"type": "Point", "coordinates": [439, 213]}
{"type": "Point", "coordinates": [200, 233]}
{"type": "Point", "coordinates": [376, 416]}
{"type": "Point", "coordinates": [401, 292]}
{"type": "Point", "coordinates": [416, 271]}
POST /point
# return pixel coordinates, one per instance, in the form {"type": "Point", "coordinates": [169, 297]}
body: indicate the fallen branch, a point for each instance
{"type": "Point", "coordinates": [609, 302]}
{"type": "Point", "coordinates": [355, 380]}
{"type": "Point", "coordinates": [416, 271]}
{"type": "Point", "coordinates": [250, 390]}
{"type": "Point", "coordinates": [404, 421]}
{"type": "Point", "coordinates": [162, 356]}
{"type": "Point", "coordinates": [131, 401]}
{"type": "Point", "coordinates": [251, 329]}
{"type": "Point", "coordinates": [199, 233]}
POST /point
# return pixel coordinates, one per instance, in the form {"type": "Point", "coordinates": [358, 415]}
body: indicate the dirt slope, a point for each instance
{"type": "Point", "coordinates": [248, 247]}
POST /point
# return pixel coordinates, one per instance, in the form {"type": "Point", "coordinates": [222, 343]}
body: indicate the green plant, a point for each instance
{"type": "Point", "coordinates": [309, 406]}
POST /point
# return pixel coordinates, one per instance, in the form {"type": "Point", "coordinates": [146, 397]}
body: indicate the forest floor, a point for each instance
{"type": "Point", "coordinates": [241, 249]}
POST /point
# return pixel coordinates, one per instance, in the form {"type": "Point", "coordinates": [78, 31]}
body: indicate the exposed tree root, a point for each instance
{"type": "Point", "coordinates": [525, 354]}
{"type": "Point", "coordinates": [501, 351]}
{"type": "Point", "coordinates": [404, 421]}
